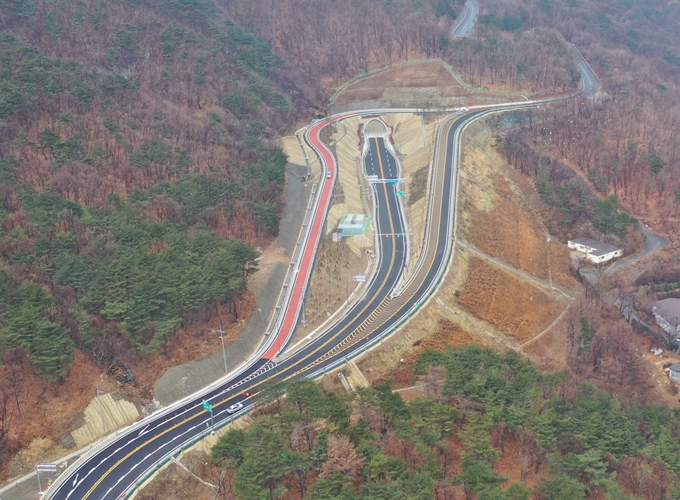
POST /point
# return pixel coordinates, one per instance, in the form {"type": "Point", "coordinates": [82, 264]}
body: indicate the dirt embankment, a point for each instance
{"type": "Point", "coordinates": [331, 285]}
{"type": "Point", "coordinates": [426, 81]}
{"type": "Point", "coordinates": [415, 84]}
{"type": "Point", "coordinates": [509, 303]}
{"type": "Point", "coordinates": [480, 300]}
{"type": "Point", "coordinates": [497, 290]}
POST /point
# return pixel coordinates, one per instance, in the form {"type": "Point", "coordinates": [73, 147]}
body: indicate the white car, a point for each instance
{"type": "Point", "coordinates": [329, 175]}
{"type": "Point", "coordinates": [234, 408]}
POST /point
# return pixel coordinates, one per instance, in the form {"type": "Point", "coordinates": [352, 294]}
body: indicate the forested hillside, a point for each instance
{"type": "Point", "coordinates": [133, 131]}
{"type": "Point", "coordinates": [487, 426]}
{"type": "Point", "coordinates": [128, 127]}
{"type": "Point", "coordinates": [625, 143]}
{"type": "Point", "coordinates": [135, 171]}
{"type": "Point", "coordinates": [317, 40]}
{"type": "Point", "coordinates": [139, 170]}
{"type": "Point", "coordinates": [329, 42]}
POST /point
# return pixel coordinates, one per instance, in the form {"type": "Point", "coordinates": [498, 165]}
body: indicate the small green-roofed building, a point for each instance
{"type": "Point", "coordinates": [354, 225]}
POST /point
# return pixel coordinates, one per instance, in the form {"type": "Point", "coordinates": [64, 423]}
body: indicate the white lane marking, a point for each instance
{"type": "Point", "coordinates": [179, 436]}
{"type": "Point", "coordinates": [263, 369]}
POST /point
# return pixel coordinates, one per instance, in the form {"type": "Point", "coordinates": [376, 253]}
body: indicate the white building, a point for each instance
{"type": "Point", "coordinates": [667, 315]}
{"type": "Point", "coordinates": [595, 251]}
{"type": "Point", "coordinates": [674, 372]}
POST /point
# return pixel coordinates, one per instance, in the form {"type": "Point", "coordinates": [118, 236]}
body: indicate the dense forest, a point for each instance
{"type": "Point", "coordinates": [139, 171]}
{"type": "Point", "coordinates": [481, 418]}
{"type": "Point", "coordinates": [136, 175]}
{"type": "Point", "coordinates": [625, 141]}
{"type": "Point", "coordinates": [329, 42]}
{"type": "Point", "coordinates": [319, 41]}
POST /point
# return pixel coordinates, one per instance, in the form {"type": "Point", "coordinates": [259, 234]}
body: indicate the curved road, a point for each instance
{"type": "Point", "coordinates": [464, 26]}
{"type": "Point", "coordinates": [651, 243]}
{"type": "Point", "coordinates": [115, 468]}
{"type": "Point", "coordinates": [113, 471]}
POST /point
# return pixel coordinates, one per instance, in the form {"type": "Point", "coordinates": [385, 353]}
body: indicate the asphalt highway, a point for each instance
{"type": "Point", "coordinates": [116, 468]}
{"type": "Point", "coordinates": [112, 472]}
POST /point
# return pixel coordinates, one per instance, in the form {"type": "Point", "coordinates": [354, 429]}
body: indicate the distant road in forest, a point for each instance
{"type": "Point", "coordinates": [116, 467]}
{"type": "Point", "coordinates": [464, 26]}
{"type": "Point", "coordinates": [652, 243]}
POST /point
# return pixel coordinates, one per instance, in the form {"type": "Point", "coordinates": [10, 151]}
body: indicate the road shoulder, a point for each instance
{"type": "Point", "coordinates": [183, 380]}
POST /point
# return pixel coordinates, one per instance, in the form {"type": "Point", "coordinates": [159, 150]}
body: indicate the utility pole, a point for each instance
{"type": "Point", "coordinates": [224, 351]}
{"type": "Point", "coordinates": [547, 246]}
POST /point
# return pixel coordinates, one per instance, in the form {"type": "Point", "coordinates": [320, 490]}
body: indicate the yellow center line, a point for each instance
{"type": "Point", "coordinates": [393, 258]}
{"type": "Point", "coordinates": [410, 292]}
{"type": "Point", "coordinates": [266, 380]}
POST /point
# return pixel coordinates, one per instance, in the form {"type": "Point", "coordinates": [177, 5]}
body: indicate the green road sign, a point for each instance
{"type": "Point", "coordinates": [207, 406]}
{"type": "Point", "coordinates": [401, 193]}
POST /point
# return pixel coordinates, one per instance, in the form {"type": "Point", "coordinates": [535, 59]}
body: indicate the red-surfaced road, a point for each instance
{"type": "Point", "coordinates": [300, 278]}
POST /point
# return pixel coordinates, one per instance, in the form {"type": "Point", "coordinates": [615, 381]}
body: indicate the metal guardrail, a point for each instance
{"type": "Point", "coordinates": [403, 318]}
{"type": "Point", "coordinates": [175, 452]}
{"type": "Point", "coordinates": [427, 295]}
{"type": "Point", "coordinates": [312, 209]}
{"type": "Point", "coordinates": [274, 324]}
{"type": "Point", "coordinates": [286, 289]}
